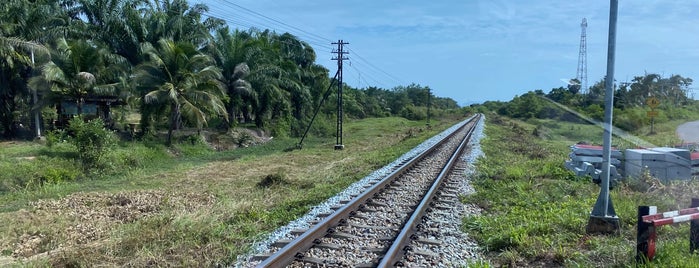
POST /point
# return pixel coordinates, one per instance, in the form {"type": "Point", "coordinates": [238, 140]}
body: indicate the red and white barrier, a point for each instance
{"type": "Point", "coordinates": [649, 220]}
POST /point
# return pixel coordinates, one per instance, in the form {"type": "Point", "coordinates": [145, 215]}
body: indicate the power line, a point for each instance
{"type": "Point", "coordinates": [395, 79]}
{"type": "Point", "coordinates": [243, 23]}
{"type": "Point", "coordinates": [316, 40]}
{"type": "Point", "coordinates": [275, 21]}
{"type": "Point", "coordinates": [374, 80]}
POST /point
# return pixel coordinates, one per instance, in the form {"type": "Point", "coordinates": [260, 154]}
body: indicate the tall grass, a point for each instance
{"type": "Point", "coordinates": [536, 211]}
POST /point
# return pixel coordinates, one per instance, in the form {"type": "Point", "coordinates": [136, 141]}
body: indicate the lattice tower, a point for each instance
{"type": "Point", "coordinates": [582, 58]}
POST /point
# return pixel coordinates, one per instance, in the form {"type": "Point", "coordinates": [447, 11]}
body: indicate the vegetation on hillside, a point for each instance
{"type": "Point", "coordinates": [630, 108]}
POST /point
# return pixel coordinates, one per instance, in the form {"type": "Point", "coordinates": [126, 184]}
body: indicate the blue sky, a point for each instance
{"type": "Point", "coordinates": [480, 50]}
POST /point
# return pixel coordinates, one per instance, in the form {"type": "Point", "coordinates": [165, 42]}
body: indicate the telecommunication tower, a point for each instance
{"type": "Point", "coordinates": [582, 58]}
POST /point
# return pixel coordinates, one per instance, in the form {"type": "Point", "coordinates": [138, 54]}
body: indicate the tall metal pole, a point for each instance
{"type": "Point", "coordinates": [37, 122]}
{"type": "Point", "coordinates": [340, 57]}
{"type": "Point", "coordinates": [429, 97]}
{"type": "Point", "coordinates": [603, 219]}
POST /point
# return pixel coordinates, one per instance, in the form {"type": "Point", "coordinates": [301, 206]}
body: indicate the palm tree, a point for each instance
{"type": "Point", "coordinates": [178, 21]}
{"type": "Point", "coordinates": [20, 21]}
{"type": "Point", "coordinates": [232, 52]}
{"type": "Point", "coordinates": [15, 66]}
{"type": "Point", "coordinates": [185, 80]}
{"type": "Point", "coordinates": [78, 69]}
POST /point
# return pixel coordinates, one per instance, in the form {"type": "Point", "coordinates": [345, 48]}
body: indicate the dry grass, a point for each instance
{"type": "Point", "coordinates": [200, 216]}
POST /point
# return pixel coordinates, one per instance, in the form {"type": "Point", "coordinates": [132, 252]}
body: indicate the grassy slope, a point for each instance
{"type": "Point", "coordinates": [541, 220]}
{"type": "Point", "coordinates": [187, 206]}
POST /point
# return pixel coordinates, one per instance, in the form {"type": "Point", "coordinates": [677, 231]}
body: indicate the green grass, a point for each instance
{"type": "Point", "coordinates": [541, 220]}
{"type": "Point", "coordinates": [203, 207]}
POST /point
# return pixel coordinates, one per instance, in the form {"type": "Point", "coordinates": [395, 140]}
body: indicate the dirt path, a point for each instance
{"type": "Point", "coordinates": [689, 132]}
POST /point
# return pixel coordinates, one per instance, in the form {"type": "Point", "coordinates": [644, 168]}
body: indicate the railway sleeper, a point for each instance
{"type": "Point", "coordinates": [448, 195]}
{"type": "Point", "coordinates": [328, 246]}
{"type": "Point", "coordinates": [342, 235]}
{"type": "Point", "coordinates": [261, 257]}
{"type": "Point", "coordinates": [374, 227]}
{"type": "Point", "coordinates": [318, 261]}
{"type": "Point", "coordinates": [443, 207]}
{"type": "Point", "coordinates": [281, 243]}
{"type": "Point", "coordinates": [367, 264]}
{"type": "Point", "coordinates": [426, 253]}
{"type": "Point", "coordinates": [377, 203]}
{"type": "Point", "coordinates": [429, 241]}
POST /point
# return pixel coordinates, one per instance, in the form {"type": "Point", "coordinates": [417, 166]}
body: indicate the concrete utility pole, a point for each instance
{"type": "Point", "coordinates": [603, 219]}
{"type": "Point", "coordinates": [340, 57]}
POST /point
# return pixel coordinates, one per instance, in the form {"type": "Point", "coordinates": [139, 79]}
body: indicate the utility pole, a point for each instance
{"type": "Point", "coordinates": [340, 58]}
{"type": "Point", "coordinates": [429, 97]}
{"type": "Point", "coordinates": [603, 218]}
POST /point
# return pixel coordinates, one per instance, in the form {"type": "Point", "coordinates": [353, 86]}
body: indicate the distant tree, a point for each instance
{"type": "Point", "coordinates": [574, 86]}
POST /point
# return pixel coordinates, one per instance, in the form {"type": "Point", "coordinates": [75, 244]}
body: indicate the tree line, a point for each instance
{"type": "Point", "coordinates": [174, 66]}
{"type": "Point", "coordinates": [630, 102]}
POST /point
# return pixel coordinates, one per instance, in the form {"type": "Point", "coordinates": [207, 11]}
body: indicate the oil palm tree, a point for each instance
{"type": "Point", "coordinates": [183, 79]}
{"type": "Point", "coordinates": [78, 69]}
{"type": "Point", "coordinates": [234, 53]}
{"type": "Point", "coordinates": [20, 23]}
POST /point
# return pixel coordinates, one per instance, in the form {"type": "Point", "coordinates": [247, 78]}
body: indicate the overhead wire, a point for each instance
{"type": "Point", "coordinates": [249, 23]}
{"type": "Point", "coordinates": [360, 58]}
{"type": "Point", "coordinates": [248, 20]}
{"type": "Point", "coordinates": [279, 24]}
{"type": "Point", "coordinates": [367, 75]}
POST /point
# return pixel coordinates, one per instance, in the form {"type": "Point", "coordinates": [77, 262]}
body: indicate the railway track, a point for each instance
{"type": "Point", "coordinates": [398, 220]}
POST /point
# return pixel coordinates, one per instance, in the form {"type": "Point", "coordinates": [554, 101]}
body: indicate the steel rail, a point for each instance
{"type": "Point", "coordinates": [398, 249]}
{"type": "Point", "coordinates": [303, 242]}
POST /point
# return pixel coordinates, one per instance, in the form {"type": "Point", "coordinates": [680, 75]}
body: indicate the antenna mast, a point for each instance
{"type": "Point", "coordinates": [582, 58]}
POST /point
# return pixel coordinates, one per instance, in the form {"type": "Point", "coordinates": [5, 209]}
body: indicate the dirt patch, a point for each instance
{"type": "Point", "coordinates": [237, 137]}
{"type": "Point", "coordinates": [83, 218]}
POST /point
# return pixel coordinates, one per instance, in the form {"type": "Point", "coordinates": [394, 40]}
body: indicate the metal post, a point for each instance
{"type": "Point", "coordinates": [429, 104]}
{"type": "Point", "coordinates": [37, 122]}
{"type": "Point", "coordinates": [603, 219]}
{"type": "Point", "coordinates": [645, 236]}
{"type": "Point", "coordinates": [694, 229]}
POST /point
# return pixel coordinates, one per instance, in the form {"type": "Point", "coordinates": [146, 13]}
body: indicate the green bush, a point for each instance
{"type": "Point", "coordinates": [34, 173]}
{"type": "Point", "coordinates": [91, 139]}
{"type": "Point", "coordinates": [57, 174]}
{"type": "Point", "coordinates": [414, 113]}
{"type": "Point", "coordinates": [54, 137]}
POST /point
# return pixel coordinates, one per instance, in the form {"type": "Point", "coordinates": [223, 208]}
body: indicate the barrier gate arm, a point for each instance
{"type": "Point", "coordinates": [649, 220]}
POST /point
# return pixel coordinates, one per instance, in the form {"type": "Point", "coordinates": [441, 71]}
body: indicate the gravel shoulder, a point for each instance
{"type": "Point", "coordinates": [688, 132]}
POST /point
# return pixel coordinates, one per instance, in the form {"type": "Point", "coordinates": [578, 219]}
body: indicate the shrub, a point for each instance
{"type": "Point", "coordinates": [91, 139]}
{"type": "Point", "coordinates": [414, 113]}
{"type": "Point", "coordinates": [54, 137]}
